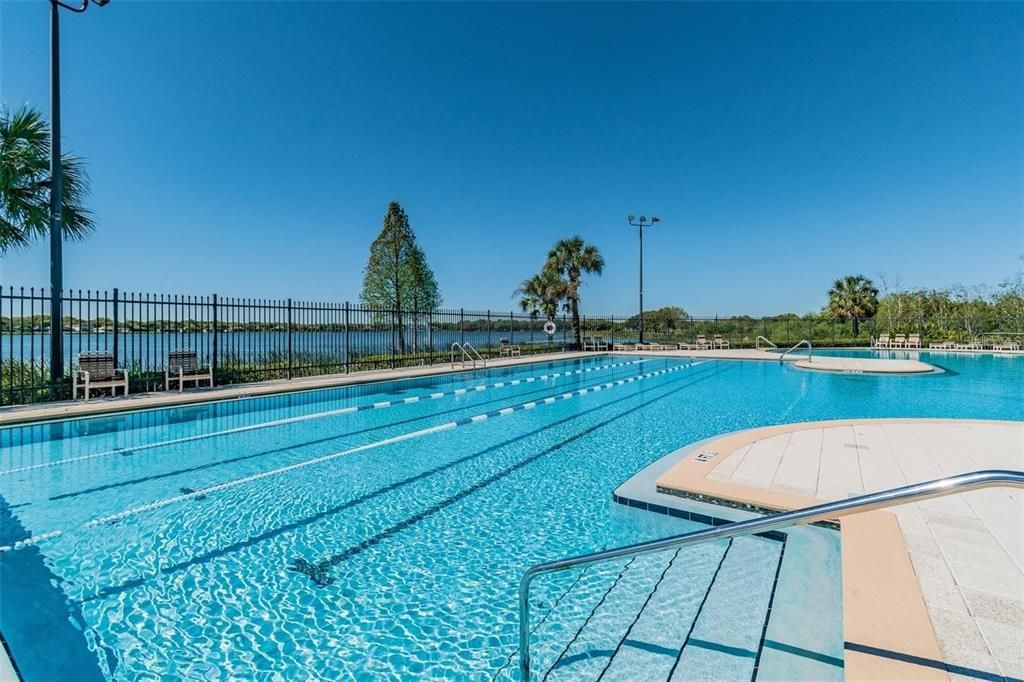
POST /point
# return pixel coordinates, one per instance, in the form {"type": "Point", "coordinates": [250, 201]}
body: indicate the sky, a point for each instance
{"type": "Point", "coordinates": [251, 148]}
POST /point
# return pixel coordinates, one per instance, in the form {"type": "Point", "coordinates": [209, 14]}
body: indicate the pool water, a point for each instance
{"type": "Point", "coordinates": [380, 531]}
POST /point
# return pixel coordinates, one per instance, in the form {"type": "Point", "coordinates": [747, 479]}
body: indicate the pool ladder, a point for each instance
{"type": "Point", "coordinates": [961, 483]}
{"type": "Point", "coordinates": [805, 342]}
{"type": "Point", "coordinates": [467, 354]}
{"type": "Point", "coordinates": [767, 343]}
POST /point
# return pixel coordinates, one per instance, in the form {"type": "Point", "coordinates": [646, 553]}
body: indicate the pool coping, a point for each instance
{"type": "Point", "coordinates": [882, 598]}
{"type": "Point", "coordinates": [39, 412]}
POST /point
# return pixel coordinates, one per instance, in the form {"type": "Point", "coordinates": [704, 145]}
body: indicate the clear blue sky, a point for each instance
{"type": "Point", "coordinates": [250, 148]}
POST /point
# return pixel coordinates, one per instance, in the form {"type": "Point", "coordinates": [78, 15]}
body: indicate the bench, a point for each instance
{"type": "Point", "coordinates": [97, 369]}
{"type": "Point", "coordinates": [182, 366]}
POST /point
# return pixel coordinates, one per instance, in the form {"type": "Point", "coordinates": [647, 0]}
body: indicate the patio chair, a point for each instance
{"type": "Point", "coordinates": [97, 369]}
{"type": "Point", "coordinates": [719, 342]}
{"type": "Point", "coordinates": [914, 341]}
{"type": "Point", "coordinates": [508, 350]}
{"type": "Point", "coordinates": [702, 342]}
{"type": "Point", "coordinates": [182, 366]}
{"type": "Point", "coordinates": [595, 343]}
{"type": "Point", "coordinates": [882, 341]}
{"type": "Point", "coordinates": [898, 341]}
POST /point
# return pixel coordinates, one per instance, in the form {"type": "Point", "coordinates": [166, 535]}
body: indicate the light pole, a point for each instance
{"type": "Point", "coordinates": [642, 222]}
{"type": "Point", "coordinates": [57, 194]}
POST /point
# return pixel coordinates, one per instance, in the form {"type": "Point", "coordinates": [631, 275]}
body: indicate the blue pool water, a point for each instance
{"type": "Point", "coordinates": [381, 530]}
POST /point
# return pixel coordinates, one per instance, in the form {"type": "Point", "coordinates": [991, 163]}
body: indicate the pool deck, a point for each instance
{"type": "Point", "coordinates": [935, 581]}
{"type": "Point", "coordinates": [17, 414]}
{"type": "Point", "coordinates": [143, 401]}
{"type": "Point", "coordinates": [830, 363]}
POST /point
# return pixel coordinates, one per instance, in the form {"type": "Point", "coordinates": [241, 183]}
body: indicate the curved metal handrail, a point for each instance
{"type": "Point", "coordinates": [830, 510]}
{"type": "Point", "coordinates": [468, 352]}
{"type": "Point", "coordinates": [805, 341]}
{"type": "Point", "coordinates": [759, 339]}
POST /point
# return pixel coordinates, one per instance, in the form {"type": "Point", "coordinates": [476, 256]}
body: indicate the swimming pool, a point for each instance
{"type": "Point", "coordinates": [380, 530]}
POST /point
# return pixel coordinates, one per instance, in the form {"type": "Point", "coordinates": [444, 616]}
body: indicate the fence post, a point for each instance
{"type": "Point", "coordinates": [511, 327]}
{"type": "Point", "coordinates": [289, 338]}
{"type": "Point", "coordinates": [488, 328]}
{"type": "Point", "coordinates": [213, 353]}
{"type": "Point", "coordinates": [348, 357]}
{"type": "Point", "coordinates": [462, 326]}
{"type": "Point", "coordinates": [430, 335]}
{"type": "Point", "coordinates": [117, 356]}
{"type": "Point", "coordinates": [396, 341]}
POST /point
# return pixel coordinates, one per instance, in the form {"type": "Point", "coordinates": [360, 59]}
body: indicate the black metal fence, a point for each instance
{"type": "Point", "coordinates": [243, 339]}
{"type": "Point", "coordinates": [246, 339]}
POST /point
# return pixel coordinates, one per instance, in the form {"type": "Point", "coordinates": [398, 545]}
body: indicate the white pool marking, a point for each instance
{"type": "Point", "coordinates": [447, 426]}
{"type": "Point", "coordinates": [316, 415]}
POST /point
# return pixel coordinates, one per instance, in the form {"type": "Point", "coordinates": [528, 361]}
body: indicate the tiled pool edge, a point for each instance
{"type": "Point", "coordinates": [882, 599]}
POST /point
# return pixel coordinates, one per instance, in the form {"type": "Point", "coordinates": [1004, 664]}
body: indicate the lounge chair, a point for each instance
{"type": "Point", "coordinates": [702, 342]}
{"type": "Point", "coordinates": [1006, 345]}
{"type": "Point", "coordinates": [970, 345]}
{"type": "Point", "coordinates": [182, 366]}
{"type": "Point", "coordinates": [898, 341]}
{"type": "Point", "coordinates": [719, 342]}
{"type": "Point", "coordinates": [508, 350]}
{"type": "Point", "coordinates": [882, 341]}
{"type": "Point", "coordinates": [686, 346]}
{"type": "Point", "coordinates": [914, 341]}
{"type": "Point", "coordinates": [98, 370]}
{"type": "Point", "coordinates": [944, 345]}
{"type": "Point", "coordinates": [651, 346]}
{"type": "Point", "coordinates": [595, 343]}
{"type": "Point", "coordinates": [624, 346]}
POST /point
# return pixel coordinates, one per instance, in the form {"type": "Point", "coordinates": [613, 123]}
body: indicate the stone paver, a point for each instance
{"type": "Point", "coordinates": [967, 550]}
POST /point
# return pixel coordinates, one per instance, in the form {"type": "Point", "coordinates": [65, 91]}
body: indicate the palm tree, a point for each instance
{"type": "Point", "coordinates": [541, 294]}
{"type": "Point", "coordinates": [571, 258]}
{"type": "Point", "coordinates": [25, 182]}
{"type": "Point", "coordinates": [852, 298]}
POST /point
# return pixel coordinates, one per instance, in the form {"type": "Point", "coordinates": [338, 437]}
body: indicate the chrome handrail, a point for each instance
{"type": "Point", "coordinates": [759, 339]}
{"type": "Point", "coordinates": [830, 510]}
{"type": "Point", "coordinates": [466, 354]}
{"type": "Point", "coordinates": [805, 341]}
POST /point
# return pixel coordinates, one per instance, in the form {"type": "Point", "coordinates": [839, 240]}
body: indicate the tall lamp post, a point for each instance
{"type": "Point", "coordinates": [642, 222]}
{"type": "Point", "coordinates": [57, 193]}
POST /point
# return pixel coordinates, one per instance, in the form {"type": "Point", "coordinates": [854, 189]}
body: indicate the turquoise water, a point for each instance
{"type": "Point", "coordinates": [381, 530]}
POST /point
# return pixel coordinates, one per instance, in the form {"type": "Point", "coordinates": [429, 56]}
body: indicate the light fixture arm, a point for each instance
{"type": "Point", "coordinates": [82, 8]}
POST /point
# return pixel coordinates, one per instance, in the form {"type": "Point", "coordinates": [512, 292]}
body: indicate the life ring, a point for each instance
{"type": "Point", "coordinates": [550, 328]}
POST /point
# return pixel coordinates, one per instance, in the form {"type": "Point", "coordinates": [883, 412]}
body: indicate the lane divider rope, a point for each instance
{"type": "Point", "coordinates": [447, 426]}
{"type": "Point", "coordinates": [318, 415]}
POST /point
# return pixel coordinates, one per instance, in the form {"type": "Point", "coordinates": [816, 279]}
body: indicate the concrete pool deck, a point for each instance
{"type": "Point", "coordinates": [935, 581]}
{"type": "Point", "coordinates": [17, 414]}
{"type": "Point", "coordinates": [68, 409]}
{"type": "Point", "coordinates": [830, 363]}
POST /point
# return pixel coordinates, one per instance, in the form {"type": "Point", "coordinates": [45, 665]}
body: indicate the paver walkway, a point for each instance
{"type": "Point", "coordinates": [967, 550]}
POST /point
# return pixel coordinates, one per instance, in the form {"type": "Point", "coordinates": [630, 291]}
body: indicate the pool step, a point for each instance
{"type": "Point", "coordinates": [699, 613]}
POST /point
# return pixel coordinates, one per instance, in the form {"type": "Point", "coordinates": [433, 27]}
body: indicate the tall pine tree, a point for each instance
{"type": "Point", "coordinates": [397, 277]}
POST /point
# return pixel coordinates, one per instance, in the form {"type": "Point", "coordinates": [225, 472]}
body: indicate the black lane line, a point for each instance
{"type": "Point", "coordinates": [768, 613]}
{"type": "Point", "coordinates": [638, 614]}
{"type": "Point", "coordinates": [576, 636]}
{"type": "Point", "coordinates": [316, 571]}
{"type": "Point", "coordinates": [265, 453]}
{"type": "Point", "coordinates": [299, 523]}
{"type": "Point", "coordinates": [700, 608]}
